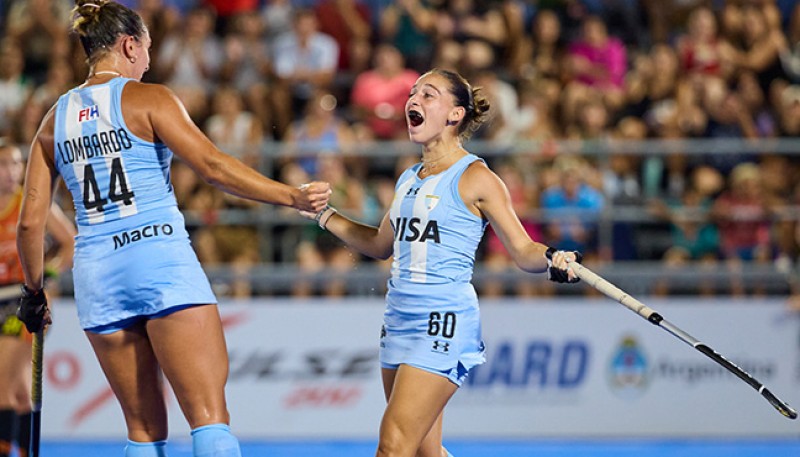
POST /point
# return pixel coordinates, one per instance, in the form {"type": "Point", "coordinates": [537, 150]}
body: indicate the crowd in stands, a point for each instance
{"type": "Point", "coordinates": [312, 80]}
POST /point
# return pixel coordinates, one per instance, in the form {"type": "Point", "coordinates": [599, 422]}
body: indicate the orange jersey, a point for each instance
{"type": "Point", "coordinates": [10, 266]}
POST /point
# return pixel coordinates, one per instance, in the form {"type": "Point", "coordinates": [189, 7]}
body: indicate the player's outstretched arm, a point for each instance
{"type": "Point", "coordinates": [486, 194]}
{"type": "Point", "coordinates": [375, 242]}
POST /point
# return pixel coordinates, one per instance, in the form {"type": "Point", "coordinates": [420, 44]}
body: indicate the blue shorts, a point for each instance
{"type": "Point", "coordinates": [140, 266]}
{"type": "Point", "coordinates": [435, 328]}
{"type": "Point", "coordinates": [125, 323]}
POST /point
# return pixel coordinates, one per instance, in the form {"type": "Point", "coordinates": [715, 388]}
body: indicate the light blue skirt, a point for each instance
{"type": "Point", "coordinates": [436, 328]}
{"type": "Point", "coordinates": [141, 265]}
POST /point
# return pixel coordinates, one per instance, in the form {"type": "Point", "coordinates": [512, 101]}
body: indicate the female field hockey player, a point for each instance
{"type": "Point", "coordinates": [15, 340]}
{"type": "Point", "coordinates": [431, 336]}
{"type": "Point", "coordinates": [142, 297]}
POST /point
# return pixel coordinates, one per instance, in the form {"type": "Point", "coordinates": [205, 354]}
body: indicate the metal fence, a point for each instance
{"type": "Point", "coordinates": [649, 233]}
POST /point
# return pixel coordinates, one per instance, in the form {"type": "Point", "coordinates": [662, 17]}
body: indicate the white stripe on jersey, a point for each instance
{"type": "Point", "coordinates": [102, 96]}
{"type": "Point", "coordinates": [75, 130]}
{"type": "Point", "coordinates": [399, 196]}
{"type": "Point", "coordinates": [419, 251]}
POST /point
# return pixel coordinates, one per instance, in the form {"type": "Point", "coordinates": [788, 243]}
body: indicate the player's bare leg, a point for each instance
{"type": "Point", "coordinates": [412, 422]}
{"type": "Point", "coordinates": [128, 361]}
{"type": "Point", "coordinates": [191, 348]}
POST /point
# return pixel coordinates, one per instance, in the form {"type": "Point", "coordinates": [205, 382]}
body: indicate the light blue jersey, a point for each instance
{"type": "Point", "coordinates": [132, 252]}
{"type": "Point", "coordinates": [435, 235]}
{"type": "Point", "coordinates": [432, 318]}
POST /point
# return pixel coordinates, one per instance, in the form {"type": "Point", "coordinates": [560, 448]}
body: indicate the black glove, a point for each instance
{"type": "Point", "coordinates": [32, 309]}
{"type": "Point", "coordinates": [556, 274]}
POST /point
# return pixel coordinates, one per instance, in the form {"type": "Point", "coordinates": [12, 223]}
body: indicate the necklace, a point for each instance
{"type": "Point", "coordinates": [428, 166]}
{"type": "Point", "coordinates": [115, 73]}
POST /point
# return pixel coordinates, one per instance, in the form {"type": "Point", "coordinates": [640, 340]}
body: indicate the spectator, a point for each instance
{"type": "Point", "coordinates": [319, 250]}
{"type": "Point", "coordinates": [347, 22]}
{"type": "Point", "coordinates": [694, 238]}
{"type": "Point", "coordinates": [790, 60]}
{"type": "Point", "coordinates": [59, 80]}
{"type": "Point", "coordinates": [409, 26]}
{"type": "Point", "coordinates": [304, 61]}
{"type": "Point", "coordinates": [654, 78]}
{"type": "Point", "coordinates": [463, 21]}
{"type": "Point", "coordinates": [14, 85]}
{"type": "Point", "coordinates": [39, 27]}
{"type": "Point", "coordinates": [276, 16]}
{"type": "Point", "coordinates": [226, 12]}
{"type": "Point", "coordinates": [761, 45]}
{"type": "Point", "coordinates": [592, 120]}
{"type": "Point", "coordinates": [538, 105]}
{"type": "Point", "coordinates": [623, 18]}
{"type": "Point", "coordinates": [622, 177]}
{"type": "Point", "coordinates": [778, 175]}
{"type": "Point", "coordinates": [161, 20]}
{"type": "Point", "coordinates": [622, 185]}
{"type": "Point", "coordinates": [701, 51]}
{"type": "Point", "coordinates": [26, 123]}
{"type": "Point", "coordinates": [664, 17]}
{"type": "Point", "coordinates": [246, 65]}
{"type": "Point", "coordinates": [189, 61]}
{"type": "Point", "coordinates": [379, 95]}
{"type": "Point", "coordinates": [517, 15]}
{"type": "Point", "coordinates": [755, 101]}
{"type": "Point", "coordinates": [321, 132]}
{"type": "Point", "coordinates": [571, 208]}
{"type": "Point", "coordinates": [504, 120]}
{"type": "Point", "coordinates": [540, 55]}
{"type": "Point", "coordinates": [728, 117]}
{"type": "Point", "coordinates": [742, 214]}
{"type": "Point", "coordinates": [789, 111]}
{"type": "Point", "coordinates": [239, 132]}
{"type": "Point", "coordinates": [220, 242]}
{"type": "Point", "coordinates": [595, 64]}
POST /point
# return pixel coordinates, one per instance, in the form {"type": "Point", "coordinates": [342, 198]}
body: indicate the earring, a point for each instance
{"type": "Point", "coordinates": [133, 59]}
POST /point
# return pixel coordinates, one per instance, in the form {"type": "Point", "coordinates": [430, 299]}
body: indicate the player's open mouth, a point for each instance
{"type": "Point", "coordinates": [415, 118]}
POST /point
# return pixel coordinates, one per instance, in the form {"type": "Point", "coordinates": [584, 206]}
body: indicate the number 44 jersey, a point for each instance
{"type": "Point", "coordinates": [111, 173]}
{"type": "Point", "coordinates": [132, 253]}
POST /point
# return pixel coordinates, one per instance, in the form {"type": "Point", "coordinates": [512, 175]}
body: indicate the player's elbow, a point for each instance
{"type": "Point", "coordinates": [33, 216]}
{"type": "Point", "coordinates": [214, 171]}
{"type": "Point", "coordinates": [29, 225]}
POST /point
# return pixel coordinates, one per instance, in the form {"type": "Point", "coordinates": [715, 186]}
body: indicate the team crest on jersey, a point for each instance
{"type": "Point", "coordinates": [89, 113]}
{"type": "Point", "coordinates": [431, 201]}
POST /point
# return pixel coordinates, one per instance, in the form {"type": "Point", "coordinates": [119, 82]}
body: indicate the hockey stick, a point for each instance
{"type": "Point", "coordinates": [36, 393]}
{"type": "Point", "coordinates": [613, 292]}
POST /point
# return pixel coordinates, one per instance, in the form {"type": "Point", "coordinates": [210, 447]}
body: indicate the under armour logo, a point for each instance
{"type": "Point", "coordinates": [441, 346]}
{"type": "Point", "coordinates": [412, 191]}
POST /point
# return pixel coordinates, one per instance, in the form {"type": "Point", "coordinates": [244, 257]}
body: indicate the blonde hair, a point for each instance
{"type": "Point", "coordinates": [99, 23]}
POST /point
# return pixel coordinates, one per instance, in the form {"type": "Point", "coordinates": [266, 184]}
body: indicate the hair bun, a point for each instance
{"type": "Point", "coordinates": [86, 12]}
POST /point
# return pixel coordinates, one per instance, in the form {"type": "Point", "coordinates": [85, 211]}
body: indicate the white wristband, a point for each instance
{"type": "Point", "coordinates": [324, 216]}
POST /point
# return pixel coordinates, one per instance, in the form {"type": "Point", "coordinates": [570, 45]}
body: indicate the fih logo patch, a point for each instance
{"type": "Point", "coordinates": [628, 370]}
{"type": "Point", "coordinates": [89, 113]}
